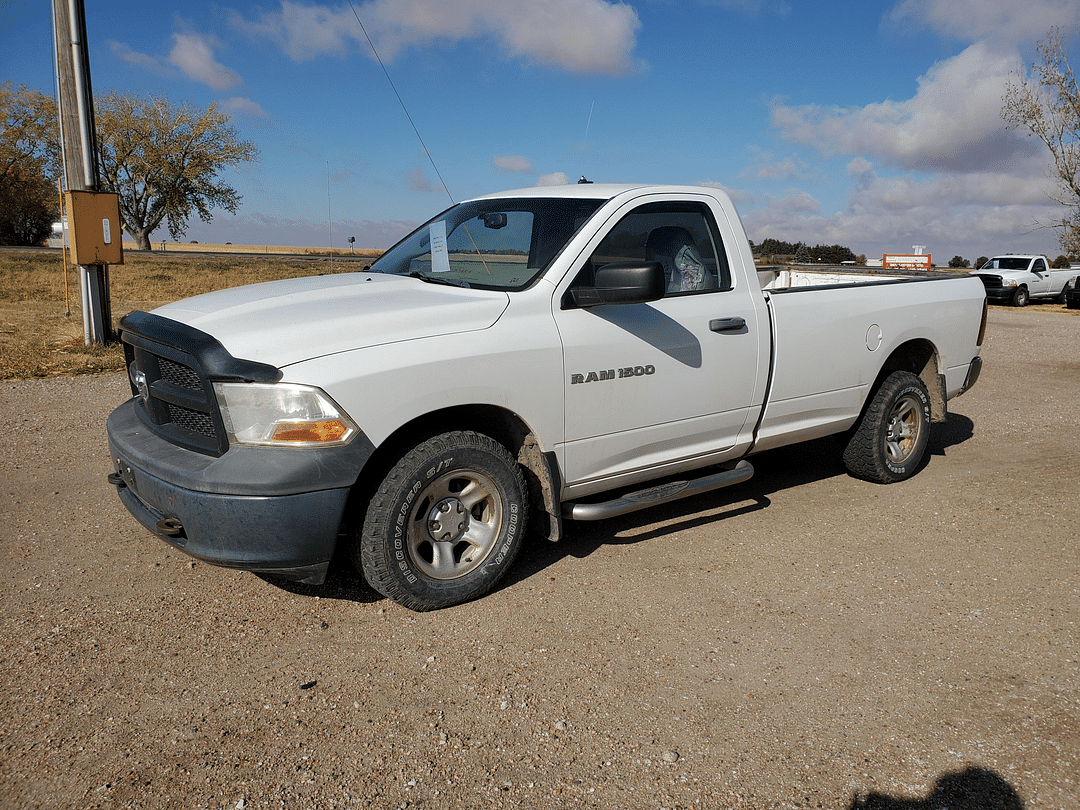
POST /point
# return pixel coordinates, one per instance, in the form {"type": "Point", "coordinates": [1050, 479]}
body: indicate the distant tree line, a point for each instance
{"type": "Point", "coordinates": [801, 253]}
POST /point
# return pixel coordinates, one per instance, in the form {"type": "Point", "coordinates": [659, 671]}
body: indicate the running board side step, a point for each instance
{"type": "Point", "coordinates": [654, 496]}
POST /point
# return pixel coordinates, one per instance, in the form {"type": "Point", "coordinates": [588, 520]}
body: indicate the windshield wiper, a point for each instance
{"type": "Point", "coordinates": [450, 282]}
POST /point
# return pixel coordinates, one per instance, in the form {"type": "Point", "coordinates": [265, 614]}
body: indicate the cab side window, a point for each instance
{"type": "Point", "coordinates": [681, 236]}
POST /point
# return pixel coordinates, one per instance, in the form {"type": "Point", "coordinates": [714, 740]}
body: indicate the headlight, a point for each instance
{"type": "Point", "coordinates": [1008, 282]}
{"type": "Point", "coordinates": [282, 415]}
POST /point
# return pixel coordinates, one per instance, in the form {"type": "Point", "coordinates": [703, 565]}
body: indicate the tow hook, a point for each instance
{"type": "Point", "coordinates": [170, 527]}
{"type": "Point", "coordinates": [117, 480]}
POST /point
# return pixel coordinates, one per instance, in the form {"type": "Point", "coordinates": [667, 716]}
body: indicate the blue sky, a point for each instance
{"type": "Point", "coordinates": [875, 126]}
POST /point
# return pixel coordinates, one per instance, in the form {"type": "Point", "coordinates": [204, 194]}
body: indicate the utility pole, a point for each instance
{"type": "Point", "coordinates": [79, 141]}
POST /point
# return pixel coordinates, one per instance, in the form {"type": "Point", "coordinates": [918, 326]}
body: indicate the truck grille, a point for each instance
{"type": "Point", "coordinates": [179, 375]}
{"type": "Point", "coordinates": [990, 281]}
{"type": "Point", "coordinates": [194, 421]}
{"type": "Point", "coordinates": [171, 367]}
{"type": "Point", "coordinates": [175, 400]}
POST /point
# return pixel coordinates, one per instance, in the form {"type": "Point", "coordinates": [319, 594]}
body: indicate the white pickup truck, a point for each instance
{"type": "Point", "coordinates": [1015, 279]}
{"type": "Point", "coordinates": [522, 359]}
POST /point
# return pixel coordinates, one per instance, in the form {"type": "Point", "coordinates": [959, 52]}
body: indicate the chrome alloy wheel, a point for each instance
{"type": "Point", "coordinates": [904, 429]}
{"type": "Point", "coordinates": [455, 524]}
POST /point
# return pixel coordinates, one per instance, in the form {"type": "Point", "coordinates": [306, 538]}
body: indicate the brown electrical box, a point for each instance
{"type": "Point", "coordinates": [94, 224]}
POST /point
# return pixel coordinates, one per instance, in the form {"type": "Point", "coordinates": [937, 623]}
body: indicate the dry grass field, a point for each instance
{"type": "Point", "coordinates": [41, 326]}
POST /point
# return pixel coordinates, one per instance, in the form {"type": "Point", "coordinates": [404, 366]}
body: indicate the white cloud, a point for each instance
{"type": "Point", "coordinates": [741, 197]}
{"type": "Point", "coordinates": [513, 163]}
{"type": "Point", "coordinates": [239, 105]}
{"type": "Point", "coordinates": [135, 58]}
{"type": "Point", "coordinates": [556, 179]}
{"type": "Point", "coordinates": [304, 32]}
{"type": "Point", "coordinates": [582, 36]}
{"type": "Point", "coordinates": [194, 56]}
{"type": "Point", "coordinates": [860, 167]}
{"type": "Point", "coordinates": [968, 215]}
{"type": "Point", "coordinates": [1011, 21]}
{"type": "Point", "coordinates": [417, 181]}
{"type": "Point", "coordinates": [952, 123]}
{"type": "Point", "coordinates": [788, 170]}
{"type": "Point", "coordinates": [939, 168]}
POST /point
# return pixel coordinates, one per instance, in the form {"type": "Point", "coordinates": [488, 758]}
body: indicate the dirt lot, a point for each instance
{"type": "Point", "coordinates": [804, 640]}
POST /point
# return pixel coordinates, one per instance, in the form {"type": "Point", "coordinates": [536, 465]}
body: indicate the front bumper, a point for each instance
{"type": "Point", "coordinates": [268, 510]}
{"type": "Point", "coordinates": [1000, 295]}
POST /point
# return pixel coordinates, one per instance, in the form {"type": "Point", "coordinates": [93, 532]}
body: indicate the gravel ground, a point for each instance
{"type": "Point", "coordinates": [803, 640]}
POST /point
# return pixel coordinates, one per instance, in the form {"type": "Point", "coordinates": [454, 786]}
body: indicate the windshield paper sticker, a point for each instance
{"type": "Point", "coordinates": [440, 259]}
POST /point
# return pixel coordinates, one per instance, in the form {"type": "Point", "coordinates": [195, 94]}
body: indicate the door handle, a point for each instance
{"type": "Point", "coordinates": [727, 324]}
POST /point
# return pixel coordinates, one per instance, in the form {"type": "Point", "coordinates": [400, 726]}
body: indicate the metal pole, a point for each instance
{"type": "Point", "coordinates": [80, 149]}
{"type": "Point", "coordinates": [86, 132]}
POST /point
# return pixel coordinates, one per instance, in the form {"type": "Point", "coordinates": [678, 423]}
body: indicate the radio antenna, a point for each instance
{"type": "Point", "coordinates": [329, 219]}
{"type": "Point", "coordinates": [585, 143]}
{"type": "Point", "coordinates": [402, 103]}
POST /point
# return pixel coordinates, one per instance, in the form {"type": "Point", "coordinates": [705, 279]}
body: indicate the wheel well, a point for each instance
{"type": "Point", "coordinates": [505, 427]}
{"type": "Point", "coordinates": [919, 357]}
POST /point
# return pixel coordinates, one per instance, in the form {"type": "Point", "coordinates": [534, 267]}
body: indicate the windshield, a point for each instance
{"type": "Point", "coordinates": [1006, 263]}
{"type": "Point", "coordinates": [491, 244]}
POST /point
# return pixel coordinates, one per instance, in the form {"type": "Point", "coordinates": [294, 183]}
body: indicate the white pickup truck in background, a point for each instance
{"type": "Point", "coordinates": [1016, 279]}
{"type": "Point", "coordinates": [522, 359]}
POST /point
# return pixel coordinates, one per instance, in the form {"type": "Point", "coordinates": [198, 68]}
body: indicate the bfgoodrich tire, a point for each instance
{"type": "Point", "coordinates": [445, 523]}
{"type": "Point", "coordinates": [890, 441]}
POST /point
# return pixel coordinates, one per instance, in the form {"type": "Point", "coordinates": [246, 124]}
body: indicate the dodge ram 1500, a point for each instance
{"type": "Point", "coordinates": [1016, 280]}
{"type": "Point", "coordinates": [522, 359]}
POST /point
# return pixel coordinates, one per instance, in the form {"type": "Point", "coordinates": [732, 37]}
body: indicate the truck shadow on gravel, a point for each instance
{"type": "Point", "coordinates": [969, 789]}
{"type": "Point", "coordinates": [343, 582]}
{"type": "Point", "coordinates": [949, 434]}
{"type": "Point", "coordinates": [775, 471]}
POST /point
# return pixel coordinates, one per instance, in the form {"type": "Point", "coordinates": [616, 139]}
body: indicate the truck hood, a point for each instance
{"type": "Point", "coordinates": [284, 322]}
{"type": "Point", "coordinates": [1016, 274]}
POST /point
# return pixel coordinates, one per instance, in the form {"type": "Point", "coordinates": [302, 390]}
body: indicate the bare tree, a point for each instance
{"type": "Point", "coordinates": [1047, 103]}
{"type": "Point", "coordinates": [163, 160]}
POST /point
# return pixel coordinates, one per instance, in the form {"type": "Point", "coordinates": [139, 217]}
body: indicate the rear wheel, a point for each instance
{"type": "Point", "coordinates": [890, 441]}
{"type": "Point", "coordinates": [445, 524]}
{"type": "Point", "coordinates": [1063, 296]}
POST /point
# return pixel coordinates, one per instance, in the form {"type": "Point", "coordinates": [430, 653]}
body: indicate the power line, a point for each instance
{"type": "Point", "coordinates": [402, 103]}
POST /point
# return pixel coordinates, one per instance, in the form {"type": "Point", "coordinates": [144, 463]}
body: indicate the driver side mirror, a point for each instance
{"type": "Point", "coordinates": [623, 283]}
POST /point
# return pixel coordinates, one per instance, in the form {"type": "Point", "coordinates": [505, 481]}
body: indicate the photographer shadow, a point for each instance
{"type": "Point", "coordinates": [970, 789]}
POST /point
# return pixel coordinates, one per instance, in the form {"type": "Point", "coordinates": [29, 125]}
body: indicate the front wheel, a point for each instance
{"type": "Point", "coordinates": [889, 443]}
{"type": "Point", "coordinates": [445, 524]}
{"type": "Point", "coordinates": [1020, 297]}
